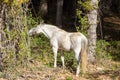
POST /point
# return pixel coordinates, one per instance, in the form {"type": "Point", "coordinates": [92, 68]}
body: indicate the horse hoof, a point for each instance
{"type": "Point", "coordinates": [77, 75]}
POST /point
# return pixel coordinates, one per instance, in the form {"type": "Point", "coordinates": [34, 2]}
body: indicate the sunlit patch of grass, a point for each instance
{"type": "Point", "coordinates": [69, 78]}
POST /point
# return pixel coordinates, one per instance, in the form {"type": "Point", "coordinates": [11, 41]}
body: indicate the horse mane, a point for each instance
{"type": "Point", "coordinates": [53, 27]}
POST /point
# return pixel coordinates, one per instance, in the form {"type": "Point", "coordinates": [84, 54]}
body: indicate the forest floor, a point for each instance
{"type": "Point", "coordinates": [38, 71]}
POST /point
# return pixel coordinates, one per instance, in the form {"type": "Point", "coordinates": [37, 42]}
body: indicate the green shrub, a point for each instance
{"type": "Point", "coordinates": [108, 50]}
{"type": "Point", "coordinates": [69, 78]}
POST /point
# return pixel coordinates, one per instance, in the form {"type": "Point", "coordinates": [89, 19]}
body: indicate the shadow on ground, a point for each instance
{"type": "Point", "coordinates": [105, 75]}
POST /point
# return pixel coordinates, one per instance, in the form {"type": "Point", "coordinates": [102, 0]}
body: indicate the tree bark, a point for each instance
{"type": "Point", "coordinates": [0, 32]}
{"type": "Point", "coordinates": [92, 19]}
{"type": "Point", "coordinates": [59, 13]}
{"type": "Point", "coordinates": [43, 8]}
{"type": "Point", "coordinates": [1, 63]}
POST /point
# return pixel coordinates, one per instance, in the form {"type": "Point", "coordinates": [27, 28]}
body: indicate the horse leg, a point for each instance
{"type": "Point", "coordinates": [55, 49]}
{"type": "Point", "coordinates": [62, 59]}
{"type": "Point", "coordinates": [77, 56]}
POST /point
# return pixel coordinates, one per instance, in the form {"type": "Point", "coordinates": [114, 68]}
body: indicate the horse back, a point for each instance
{"type": "Point", "coordinates": [77, 39]}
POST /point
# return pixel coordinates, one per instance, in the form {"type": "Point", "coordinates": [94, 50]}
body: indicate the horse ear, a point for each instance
{"type": "Point", "coordinates": [42, 22]}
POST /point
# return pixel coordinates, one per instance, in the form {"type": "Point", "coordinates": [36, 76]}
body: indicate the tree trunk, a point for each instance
{"type": "Point", "coordinates": [0, 38]}
{"type": "Point", "coordinates": [92, 18]}
{"type": "Point", "coordinates": [1, 63]}
{"type": "Point", "coordinates": [59, 13]}
{"type": "Point", "coordinates": [43, 8]}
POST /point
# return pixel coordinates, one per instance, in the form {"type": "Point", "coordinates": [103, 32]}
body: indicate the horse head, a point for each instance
{"type": "Point", "coordinates": [36, 30]}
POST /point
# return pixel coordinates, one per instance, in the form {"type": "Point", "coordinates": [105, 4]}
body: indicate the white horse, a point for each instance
{"type": "Point", "coordinates": [60, 39]}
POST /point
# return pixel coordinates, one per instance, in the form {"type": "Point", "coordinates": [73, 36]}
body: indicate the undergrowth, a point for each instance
{"type": "Point", "coordinates": [108, 50]}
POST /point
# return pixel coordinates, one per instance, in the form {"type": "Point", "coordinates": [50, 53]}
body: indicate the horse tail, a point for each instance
{"type": "Point", "coordinates": [84, 43]}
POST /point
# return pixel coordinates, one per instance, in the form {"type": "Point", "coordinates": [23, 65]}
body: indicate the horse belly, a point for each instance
{"type": "Point", "coordinates": [65, 44]}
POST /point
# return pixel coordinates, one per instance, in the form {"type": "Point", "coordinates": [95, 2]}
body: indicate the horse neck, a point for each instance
{"type": "Point", "coordinates": [48, 31]}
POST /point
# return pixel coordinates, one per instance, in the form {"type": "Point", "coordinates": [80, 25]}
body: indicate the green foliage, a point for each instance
{"type": "Point", "coordinates": [15, 39]}
{"type": "Point", "coordinates": [114, 50]}
{"type": "Point", "coordinates": [41, 50]}
{"type": "Point", "coordinates": [33, 21]}
{"type": "Point", "coordinates": [16, 42]}
{"type": "Point", "coordinates": [101, 50]}
{"type": "Point", "coordinates": [82, 10]}
{"type": "Point", "coordinates": [85, 5]}
{"type": "Point", "coordinates": [69, 78]}
{"type": "Point", "coordinates": [108, 50]}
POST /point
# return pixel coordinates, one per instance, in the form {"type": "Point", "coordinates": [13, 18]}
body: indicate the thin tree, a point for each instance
{"type": "Point", "coordinates": [59, 13]}
{"type": "Point", "coordinates": [92, 19]}
{"type": "Point", "coordinates": [43, 8]}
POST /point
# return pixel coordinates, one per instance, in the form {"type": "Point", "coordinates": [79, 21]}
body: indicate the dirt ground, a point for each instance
{"type": "Point", "coordinates": [37, 71]}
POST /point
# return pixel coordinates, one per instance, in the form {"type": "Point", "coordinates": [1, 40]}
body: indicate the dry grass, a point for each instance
{"type": "Point", "coordinates": [35, 70]}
